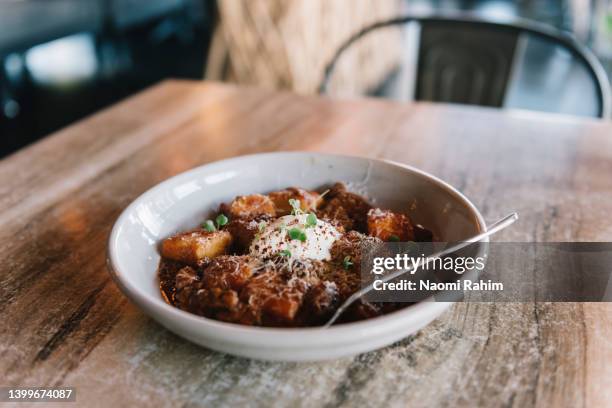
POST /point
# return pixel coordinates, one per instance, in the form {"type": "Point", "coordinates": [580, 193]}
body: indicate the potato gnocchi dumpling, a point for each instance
{"type": "Point", "coordinates": [309, 200]}
{"type": "Point", "coordinates": [250, 206]}
{"type": "Point", "coordinates": [389, 226]}
{"type": "Point", "coordinates": [195, 246]}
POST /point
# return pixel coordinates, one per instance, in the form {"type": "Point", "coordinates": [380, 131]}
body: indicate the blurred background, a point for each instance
{"type": "Point", "coordinates": [61, 60]}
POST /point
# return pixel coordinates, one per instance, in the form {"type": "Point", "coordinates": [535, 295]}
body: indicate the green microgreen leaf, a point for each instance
{"type": "Point", "coordinates": [209, 226]}
{"type": "Point", "coordinates": [346, 262]}
{"type": "Point", "coordinates": [261, 226]}
{"type": "Point", "coordinates": [285, 253]}
{"type": "Point", "coordinates": [221, 220]}
{"type": "Point", "coordinates": [394, 238]}
{"type": "Point", "coordinates": [295, 206]}
{"type": "Point", "coordinates": [311, 220]}
{"type": "Point", "coordinates": [296, 233]}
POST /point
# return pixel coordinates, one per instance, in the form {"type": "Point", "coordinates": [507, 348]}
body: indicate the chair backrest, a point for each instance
{"type": "Point", "coordinates": [461, 59]}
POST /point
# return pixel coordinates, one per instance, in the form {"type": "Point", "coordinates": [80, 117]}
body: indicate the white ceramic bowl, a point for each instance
{"type": "Point", "coordinates": [184, 200]}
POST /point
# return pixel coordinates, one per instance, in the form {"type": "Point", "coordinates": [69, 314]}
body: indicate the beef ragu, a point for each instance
{"type": "Point", "coordinates": [287, 258]}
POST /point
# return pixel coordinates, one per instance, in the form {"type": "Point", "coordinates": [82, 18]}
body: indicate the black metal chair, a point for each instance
{"type": "Point", "coordinates": [518, 64]}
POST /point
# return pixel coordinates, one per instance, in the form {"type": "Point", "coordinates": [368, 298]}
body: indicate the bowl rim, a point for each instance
{"type": "Point", "coordinates": [276, 336]}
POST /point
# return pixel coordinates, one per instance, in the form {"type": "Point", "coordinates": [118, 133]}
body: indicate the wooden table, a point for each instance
{"type": "Point", "coordinates": [64, 322]}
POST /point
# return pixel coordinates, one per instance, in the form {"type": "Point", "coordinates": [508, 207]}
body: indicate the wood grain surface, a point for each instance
{"type": "Point", "coordinates": [64, 322]}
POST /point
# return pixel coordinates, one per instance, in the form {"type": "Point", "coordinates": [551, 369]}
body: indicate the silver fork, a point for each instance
{"type": "Point", "coordinates": [495, 227]}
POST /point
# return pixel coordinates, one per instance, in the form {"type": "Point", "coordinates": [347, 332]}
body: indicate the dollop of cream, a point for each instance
{"type": "Point", "coordinates": [274, 239]}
